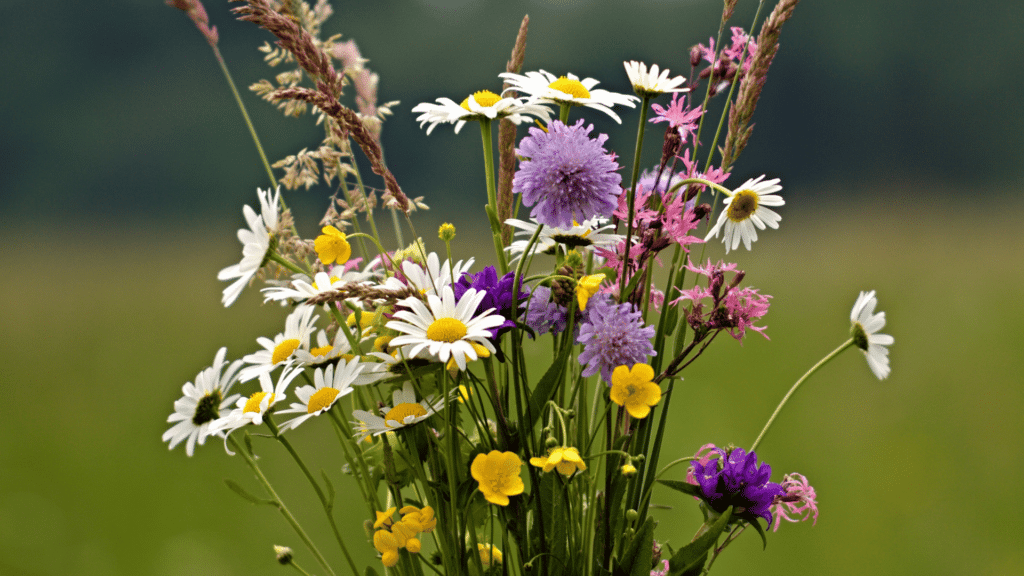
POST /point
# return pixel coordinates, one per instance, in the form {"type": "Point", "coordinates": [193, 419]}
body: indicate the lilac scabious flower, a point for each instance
{"type": "Point", "coordinates": [568, 175]}
{"type": "Point", "coordinates": [543, 315]}
{"type": "Point", "coordinates": [736, 480]}
{"type": "Point", "coordinates": [498, 295]}
{"type": "Point", "coordinates": [613, 335]}
{"type": "Point", "coordinates": [799, 502]}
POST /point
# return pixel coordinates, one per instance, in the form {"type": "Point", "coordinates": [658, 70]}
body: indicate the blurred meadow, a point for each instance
{"type": "Point", "coordinates": [899, 176]}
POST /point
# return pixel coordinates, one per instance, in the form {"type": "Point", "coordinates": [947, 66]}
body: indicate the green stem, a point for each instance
{"type": "Point", "coordinates": [632, 196]}
{"type": "Point", "coordinates": [285, 263]}
{"type": "Point", "coordinates": [281, 506]}
{"type": "Point", "coordinates": [245, 115]}
{"type": "Point", "coordinates": [792, 390]}
{"type": "Point", "coordinates": [492, 194]}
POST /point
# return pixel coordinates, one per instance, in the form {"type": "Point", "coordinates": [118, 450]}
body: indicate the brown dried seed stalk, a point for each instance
{"type": "Point", "coordinates": [367, 294]}
{"type": "Point", "coordinates": [317, 63]}
{"type": "Point", "coordinates": [507, 141]}
{"type": "Point", "coordinates": [753, 82]}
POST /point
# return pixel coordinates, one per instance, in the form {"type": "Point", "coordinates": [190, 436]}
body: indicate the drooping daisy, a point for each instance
{"type": "Point", "coordinates": [405, 412]}
{"type": "Point", "coordinates": [251, 410]}
{"type": "Point", "coordinates": [567, 176]}
{"type": "Point", "coordinates": [297, 329]}
{"type": "Point", "coordinates": [445, 329]}
{"type": "Point", "coordinates": [652, 84]}
{"type": "Point", "coordinates": [745, 209]}
{"type": "Point", "coordinates": [544, 87]}
{"type": "Point", "coordinates": [201, 403]}
{"type": "Point", "coordinates": [255, 244]}
{"type": "Point", "coordinates": [580, 236]}
{"type": "Point", "coordinates": [329, 384]}
{"type": "Point", "coordinates": [482, 106]}
{"type": "Point", "coordinates": [864, 330]}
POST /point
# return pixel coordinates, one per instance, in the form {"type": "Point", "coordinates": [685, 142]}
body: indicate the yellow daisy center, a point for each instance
{"type": "Point", "coordinates": [402, 411]}
{"type": "Point", "coordinates": [253, 404]}
{"type": "Point", "coordinates": [321, 399]}
{"type": "Point", "coordinates": [573, 88]}
{"type": "Point", "coordinates": [321, 351]}
{"type": "Point", "coordinates": [283, 350]}
{"type": "Point", "coordinates": [744, 203]}
{"type": "Point", "coordinates": [446, 330]}
{"type": "Point", "coordinates": [484, 98]}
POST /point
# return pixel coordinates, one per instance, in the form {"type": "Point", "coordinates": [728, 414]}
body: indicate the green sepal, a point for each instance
{"type": "Point", "coordinates": [695, 553]}
{"type": "Point", "coordinates": [245, 494]}
{"type": "Point", "coordinates": [684, 487]}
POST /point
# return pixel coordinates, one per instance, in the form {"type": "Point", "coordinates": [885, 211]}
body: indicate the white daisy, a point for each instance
{"type": "Point", "coordinates": [483, 106]}
{"type": "Point", "coordinates": [429, 278]}
{"type": "Point", "coordinates": [297, 329]}
{"type": "Point", "coordinates": [546, 88]}
{"type": "Point", "coordinates": [652, 84]}
{"type": "Point", "coordinates": [864, 330]}
{"type": "Point", "coordinates": [201, 404]}
{"type": "Point", "coordinates": [582, 236]}
{"type": "Point", "coordinates": [255, 244]}
{"type": "Point", "coordinates": [444, 330]}
{"type": "Point", "coordinates": [301, 289]}
{"type": "Point", "coordinates": [745, 209]}
{"type": "Point", "coordinates": [406, 412]}
{"type": "Point", "coordinates": [329, 384]}
{"type": "Point", "coordinates": [252, 409]}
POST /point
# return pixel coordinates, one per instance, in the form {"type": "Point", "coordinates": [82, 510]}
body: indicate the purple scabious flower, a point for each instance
{"type": "Point", "coordinates": [568, 175]}
{"type": "Point", "coordinates": [736, 480]}
{"type": "Point", "coordinates": [612, 335]}
{"type": "Point", "coordinates": [498, 295]}
{"type": "Point", "coordinates": [543, 315]}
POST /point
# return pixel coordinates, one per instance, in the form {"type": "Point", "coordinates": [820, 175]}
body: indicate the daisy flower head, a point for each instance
{"type": "Point", "coordinates": [297, 329]}
{"type": "Point", "coordinates": [745, 209]}
{"type": "Point", "coordinates": [568, 176]}
{"type": "Point", "coordinates": [251, 410]}
{"type": "Point", "coordinates": [580, 236]}
{"type": "Point", "coordinates": [652, 84]}
{"type": "Point", "coordinates": [613, 335]}
{"type": "Point", "coordinates": [546, 88]}
{"type": "Point", "coordinates": [864, 330]}
{"type": "Point", "coordinates": [430, 277]}
{"type": "Point", "coordinates": [302, 289]}
{"type": "Point", "coordinates": [256, 244]}
{"type": "Point", "coordinates": [405, 412]}
{"type": "Point", "coordinates": [329, 384]}
{"type": "Point", "coordinates": [201, 404]}
{"type": "Point", "coordinates": [482, 106]}
{"type": "Point", "coordinates": [443, 328]}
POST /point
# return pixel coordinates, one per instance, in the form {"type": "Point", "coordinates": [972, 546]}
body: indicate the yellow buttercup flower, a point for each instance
{"type": "Point", "coordinates": [634, 389]}
{"type": "Point", "coordinates": [587, 287]}
{"type": "Point", "coordinates": [489, 554]}
{"type": "Point", "coordinates": [498, 475]}
{"type": "Point", "coordinates": [628, 469]}
{"type": "Point", "coordinates": [332, 246]}
{"type": "Point", "coordinates": [422, 519]}
{"type": "Point", "coordinates": [566, 459]}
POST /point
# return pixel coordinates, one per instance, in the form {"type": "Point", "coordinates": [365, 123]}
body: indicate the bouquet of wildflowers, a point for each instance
{"type": "Point", "coordinates": [509, 418]}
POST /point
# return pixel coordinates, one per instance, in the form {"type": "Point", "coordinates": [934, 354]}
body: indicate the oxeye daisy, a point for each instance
{"type": "Point", "coordinates": [581, 236]}
{"type": "Point", "coordinates": [329, 384]}
{"type": "Point", "coordinates": [256, 244]}
{"type": "Point", "coordinates": [546, 88]}
{"type": "Point", "coordinates": [652, 84]}
{"type": "Point", "coordinates": [297, 329]}
{"type": "Point", "coordinates": [405, 412]}
{"type": "Point", "coordinates": [443, 328]}
{"type": "Point", "coordinates": [302, 289]}
{"type": "Point", "coordinates": [251, 410]}
{"type": "Point", "coordinates": [201, 403]}
{"type": "Point", "coordinates": [482, 106]}
{"type": "Point", "coordinates": [745, 209]}
{"type": "Point", "coordinates": [865, 325]}
{"type": "Point", "coordinates": [429, 279]}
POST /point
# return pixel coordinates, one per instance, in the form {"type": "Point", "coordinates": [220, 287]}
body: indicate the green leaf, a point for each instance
{"type": "Point", "coordinates": [695, 553]}
{"type": "Point", "coordinates": [684, 487]}
{"type": "Point", "coordinates": [546, 387]}
{"type": "Point", "coordinates": [369, 571]}
{"type": "Point", "coordinates": [757, 526]}
{"type": "Point", "coordinates": [245, 494]}
{"type": "Point", "coordinates": [330, 489]}
{"type": "Point", "coordinates": [640, 551]}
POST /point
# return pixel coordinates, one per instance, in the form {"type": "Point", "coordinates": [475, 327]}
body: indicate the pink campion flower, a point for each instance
{"type": "Point", "coordinates": [678, 116]}
{"type": "Point", "coordinates": [741, 39]}
{"type": "Point", "coordinates": [679, 219]}
{"type": "Point", "coordinates": [715, 175]}
{"type": "Point", "coordinates": [710, 269]}
{"type": "Point", "coordinates": [798, 504]}
{"type": "Point", "coordinates": [744, 307]}
{"type": "Point", "coordinates": [663, 571]}
{"type": "Point", "coordinates": [613, 258]}
{"type": "Point", "coordinates": [695, 294]}
{"type": "Point", "coordinates": [642, 216]}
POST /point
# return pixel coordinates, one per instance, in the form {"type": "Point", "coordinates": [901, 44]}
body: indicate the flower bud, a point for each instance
{"type": "Point", "coordinates": [632, 515]}
{"type": "Point", "coordinates": [446, 232]}
{"type": "Point", "coordinates": [695, 55]}
{"type": "Point", "coordinates": [284, 554]}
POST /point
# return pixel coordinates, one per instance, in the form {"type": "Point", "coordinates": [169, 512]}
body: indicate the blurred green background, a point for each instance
{"type": "Point", "coordinates": [895, 129]}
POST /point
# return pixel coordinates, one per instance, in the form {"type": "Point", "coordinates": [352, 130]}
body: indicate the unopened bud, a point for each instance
{"type": "Point", "coordinates": [446, 232]}
{"type": "Point", "coordinates": [695, 55]}
{"type": "Point", "coordinates": [701, 211]}
{"type": "Point", "coordinates": [284, 554]}
{"type": "Point", "coordinates": [671, 145]}
{"type": "Point", "coordinates": [737, 279]}
{"type": "Point", "coordinates": [632, 515]}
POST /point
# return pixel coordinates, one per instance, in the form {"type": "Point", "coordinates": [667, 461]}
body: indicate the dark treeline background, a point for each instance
{"type": "Point", "coordinates": [119, 111]}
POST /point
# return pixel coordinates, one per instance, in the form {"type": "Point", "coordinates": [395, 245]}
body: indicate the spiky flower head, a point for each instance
{"type": "Point", "coordinates": [613, 335]}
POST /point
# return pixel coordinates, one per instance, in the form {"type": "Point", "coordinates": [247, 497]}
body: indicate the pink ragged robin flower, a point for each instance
{"type": "Point", "coordinates": [798, 504]}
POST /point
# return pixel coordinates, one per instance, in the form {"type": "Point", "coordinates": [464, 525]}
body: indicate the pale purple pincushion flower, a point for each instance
{"type": "Point", "coordinates": [568, 175]}
{"type": "Point", "coordinates": [799, 502]}
{"type": "Point", "coordinates": [613, 335]}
